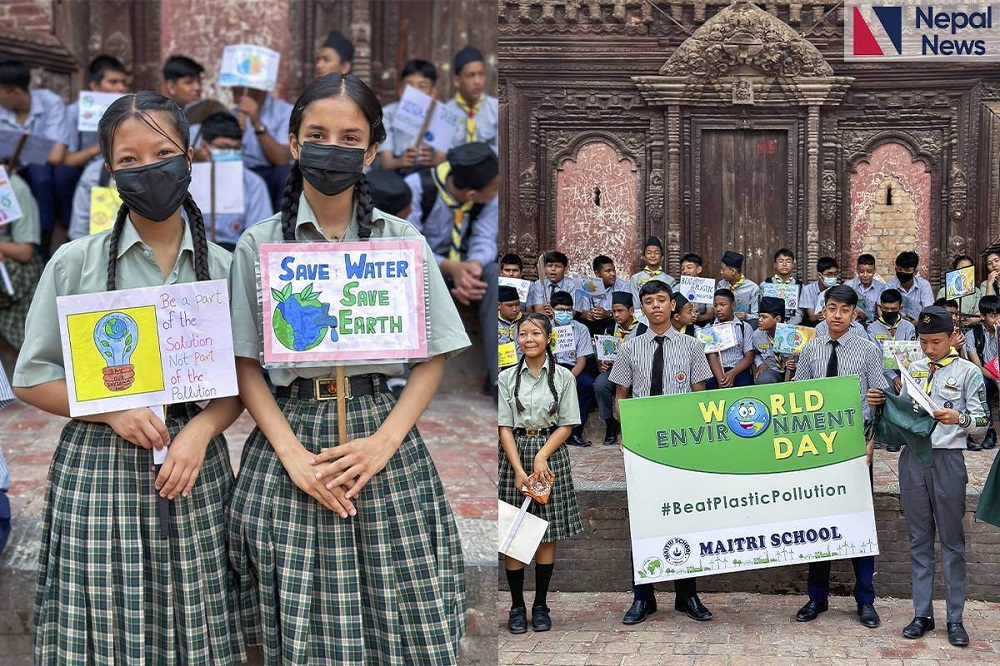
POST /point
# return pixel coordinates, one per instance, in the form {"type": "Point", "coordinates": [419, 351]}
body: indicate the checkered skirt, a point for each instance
{"type": "Point", "coordinates": [384, 587]}
{"type": "Point", "coordinates": [110, 590]}
{"type": "Point", "coordinates": [14, 309]}
{"type": "Point", "coordinates": [561, 511]}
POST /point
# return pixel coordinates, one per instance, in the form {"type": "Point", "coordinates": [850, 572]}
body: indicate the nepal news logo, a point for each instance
{"type": "Point", "coordinates": [941, 30]}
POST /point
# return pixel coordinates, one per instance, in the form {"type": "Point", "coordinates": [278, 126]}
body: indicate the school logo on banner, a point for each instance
{"type": "Point", "coordinates": [930, 30]}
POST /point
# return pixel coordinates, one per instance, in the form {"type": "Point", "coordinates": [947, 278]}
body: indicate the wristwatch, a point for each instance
{"type": "Point", "coordinates": [260, 130]}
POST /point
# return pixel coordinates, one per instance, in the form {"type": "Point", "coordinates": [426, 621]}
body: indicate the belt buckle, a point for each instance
{"type": "Point", "coordinates": [533, 432]}
{"type": "Point", "coordinates": [325, 388]}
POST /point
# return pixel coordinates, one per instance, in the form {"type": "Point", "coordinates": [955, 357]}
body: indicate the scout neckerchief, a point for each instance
{"type": "Point", "coordinates": [440, 177]}
{"type": "Point", "coordinates": [739, 283]}
{"type": "Point", "coordinates": [622, 333]}
{"type": "Point", "coordinates": [777, 279]}
{"type": "Point", "coordinates": [509, 326]}
{"type": "Point", "coordinates": [891, 327]}
{"type": "Point", "coordinates": [471, 111]}
{"type": "Point", "coordinates": [934, 366]}
{"type": "Point", "coordinates": [653, 272]}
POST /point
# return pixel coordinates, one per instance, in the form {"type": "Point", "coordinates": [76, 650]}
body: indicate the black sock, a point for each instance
{"type": "Point", "coordinates": [515, 580]}
{"type": "Point", "coordinates": [543, 574]}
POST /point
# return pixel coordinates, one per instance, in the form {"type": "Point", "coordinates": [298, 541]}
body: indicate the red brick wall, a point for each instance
{"type": "Point", "coordinates": [35, 15]}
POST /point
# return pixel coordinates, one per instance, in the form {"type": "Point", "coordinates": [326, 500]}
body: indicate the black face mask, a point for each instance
{"type": "Point", "coordinates": [155, 191]}
{"type": "Point", "coordinates": [904, 277]}
{"type": "Point", "coordinates": [890, 317]}
{"type": "Point", "coordinates": [331, 169]}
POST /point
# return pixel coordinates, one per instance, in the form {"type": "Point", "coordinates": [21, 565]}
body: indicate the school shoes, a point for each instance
{"type": "Point", "coordinates": [991, 439]}
{"type": "Point", "coordinates": [892, 448]}
{"type": "Point", "coordinates": [957, 635]}
{"type": "Point", "coordinates": [639, 610]}
{"type": "Point", "coordinates": [811, 610]}
{"type": "Point", "coordinates": [972, 446]}
{"type": "Point", "coordinates": [576, 440]}
{"type": "Point", "coordinates": [614, 428]}
{"type": "Point", "coordinates": [918, 627]}
{"type": "Point", "coordinates": [540, 620]}
{"type": "Point", "coordinates": [694, 608]}
{"type": "Point", "coordinates": [868, 616]}
{"type": "Point", "coordinates": [517, 623]}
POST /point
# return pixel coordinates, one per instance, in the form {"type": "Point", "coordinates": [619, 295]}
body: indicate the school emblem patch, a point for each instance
{"type": "Point", "coordinates": [927, 319]}
{"type": "Point", "coordinates": [681, 377]}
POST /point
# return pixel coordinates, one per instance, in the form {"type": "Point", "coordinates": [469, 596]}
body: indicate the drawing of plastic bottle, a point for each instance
{"type": "Point", "coordinates": [116, 336]}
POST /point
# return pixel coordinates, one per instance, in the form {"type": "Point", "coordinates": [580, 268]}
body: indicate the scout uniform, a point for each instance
{"type": "Point", "coordinates": [541, 290]}
{"type": "Point", "coordinates": [23, 277]}
{"type": "Point", "coordinates": [604, 389]}
{"type": "Point", "coordinates": [809, 298]}
{"type": "Point", "coordinates": [880, 332]}
{"type": "Point", "coordinates": [507, 332]}
{"type": "Point", "coordinates": [868, 297]}
{"type": "Point", "coordinates": [584, 346]}
{"type": "Point", "coordinates": [763, 345]}
{"type": "Point", "coordinates": [98, 480]}
{"type": "Point", "coordinates": [731, 357]}
{"type": "Point", "coordinates": [404, 529]}
{"type": "Point", "coordinates": [793, 315]}
{"type": "Point", "coordinates": [984, 342]}
{"type": "Point", "coordinates": [481, 118]}
{"type": "Point", "coordinates": [746, 291]}
{"type": "Point", "coordinates": [967, 305]}
{"type": "Point", "coordinates": [684, 365]}
{"type": "Point", "coordinates": [934, 497]}
{"type": "Point", "coordinates": [583, 303]}
{"type": "Point", "coordinates": [649, 273]}
{"type": "Point", "coordinates": [916, 298]}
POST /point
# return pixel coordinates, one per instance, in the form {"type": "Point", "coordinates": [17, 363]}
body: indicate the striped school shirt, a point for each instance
{"type": "Point", "coordinates": [684, 363]}
{"type": "Point", "coordinates": [855, 356]}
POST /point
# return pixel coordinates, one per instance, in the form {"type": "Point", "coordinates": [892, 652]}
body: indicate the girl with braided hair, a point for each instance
{"type": "Point", "coordinates": [537, 411]}
{"type": "Point", "coordinates": [346, 552]}
{"type": "Point", "coordinates": [111, 589]}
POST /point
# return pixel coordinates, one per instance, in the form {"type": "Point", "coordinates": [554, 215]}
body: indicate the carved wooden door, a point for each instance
{"type": "Point", "coordinates": [743, 190]}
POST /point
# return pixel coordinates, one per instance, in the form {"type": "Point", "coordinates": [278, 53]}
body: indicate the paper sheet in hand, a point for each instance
{"type": "Point", "coordinates": [789, 293]}
{"type": "Point", "coordinates": [719, 337]}
{"type": "Point", "coordinates": [36, 148]}
{"type": "Point", "coordinates": [5, 277]}
{"type": "Point", "coordinates": [961, 282]}
{"type": "Point", "coordinates": [915, 392]}
{"type": "Point", "coordinates": [92, 106]}
{"type": "Point", "coordinates": [411, 113]}
{"type": "Point", "coordinates": [250, 66]}
{"type": "Point", "coordinates": [228, 187]}
{"type": "Point", "coordinates": [698, 290]}
{"type": "Point", "coordinates": [10, 209]}
{"type": "Point", "coordinates": [565, 339]}
{"type": "Point", "coordinates": [522, 286]}
{"type": "Point", "coordinates": [607, 347]}
{"type": "Point", "coordinates": [528, 536]}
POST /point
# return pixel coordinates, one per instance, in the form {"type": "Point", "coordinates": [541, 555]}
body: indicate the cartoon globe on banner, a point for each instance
{"type": "Point", "coordinates": [747, 417]}
{"type": "Point", "coordinates": [301, 320]}
{"type": "Point", "coordinates": [250, 65]}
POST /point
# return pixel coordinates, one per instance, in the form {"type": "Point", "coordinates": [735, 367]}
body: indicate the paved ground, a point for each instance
{"type": "Point", "coordinates": [748, 629]}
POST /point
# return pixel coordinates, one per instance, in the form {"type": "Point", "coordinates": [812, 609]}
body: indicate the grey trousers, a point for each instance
{"type": "Point", "coordinates": [488, 320]}
{"type": "Point", "coordinates": [769, 376]}
{"type": "Point", "coordinates": [934, 497]}
{"type": "Point", "coordinates": [604, 391]}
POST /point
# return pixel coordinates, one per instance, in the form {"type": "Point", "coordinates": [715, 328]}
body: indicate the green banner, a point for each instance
{"type": "Point", "coordinates": [749, 430]}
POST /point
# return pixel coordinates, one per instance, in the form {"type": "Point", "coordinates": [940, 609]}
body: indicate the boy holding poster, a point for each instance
{"type": "Point", "coordinates": [624, 327]}
{"type": "Point", "coordinates": [508, 314]}
{"type": "Point", "coordinates": [144, 139]}
{"type": "Point", "coordinates": [364, 524]}
{"type": "Point", "coordinates": [397, 153]}
{"type": "Point", "coordinates": [575, 358]}
{"type": "Point", "coordinates": [731, 367]}
{"type": "Point", "coordinates": [692, 265]}
{"type": "Point", "coordinates": [933, 497]}
{"type": "Point", "coordinates": [595, 310]}
{"type": "Point", "coordinates": [890, 325]}
{"type": "Point", "coordinates": [784, 265]}
{"type": "Point", "coordinates": [746, 292]}
{"type": "Point", "coordinates": [661, 361]}
{"type": "Point", "coordinates": [839, 353]}
{"type": "Point", "coordinates": [769, 366]}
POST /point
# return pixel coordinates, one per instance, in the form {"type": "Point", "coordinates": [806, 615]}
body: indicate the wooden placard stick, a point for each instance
{"type": "Point", "coordinates": [341, 408]}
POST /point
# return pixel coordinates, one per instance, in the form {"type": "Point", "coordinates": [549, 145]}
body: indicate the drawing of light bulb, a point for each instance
{"type": "Point", "coordinates": [116, 336]}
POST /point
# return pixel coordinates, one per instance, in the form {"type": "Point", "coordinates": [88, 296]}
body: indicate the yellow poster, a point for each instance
{"type": "Point", "coordinates": [104, 205]}
{"type": "Point", "coordinates": [115, 353]}
{"type": "Point", "coordinates": [507, 353]}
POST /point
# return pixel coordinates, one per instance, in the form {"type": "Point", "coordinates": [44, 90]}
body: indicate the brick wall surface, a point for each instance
{"type": "Point", "coordinates": [26, 14]}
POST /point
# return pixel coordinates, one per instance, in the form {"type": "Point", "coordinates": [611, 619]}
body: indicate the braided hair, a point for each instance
{"type": "Point", "coordinates": [542, 322]}
{"type": "Point", "coordinates": [325, 87]}
{"type": "Point", "coordinates": [142, 105]}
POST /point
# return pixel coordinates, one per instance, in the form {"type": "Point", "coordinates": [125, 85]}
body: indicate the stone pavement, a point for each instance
{"type": "Point", "coordinates": [748, 629]}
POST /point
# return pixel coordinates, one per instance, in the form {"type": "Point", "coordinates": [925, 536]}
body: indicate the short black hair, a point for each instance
{"type": "Point", "coordinates": [555, 257]}
{"type": "Point", "coordinates": [908, 259]}
{"type": "Point", "coordinates": [725, 293]}
{"type": "Point", "coordinates": [784, 252]}
{"type": "Point", "coordinates": [14, 73]}
{"type": "Point", "coordinates": [693, 258]}
{"type": "Point", "coordinates": [222, 124]}
{"type": "Point", "coordinates": [178, 66]}
{"type": "Point", "coordinates": [424, 68]}
{"type": "Point", "coordinates": [826, 263]}
{"type": "Point", "coordinates": [866, 259]}
{"type": "Point", "coordinates": [654, 287]}
{"type": "Point", "coordinates": [946, 303]}
{"type": "Point", "coordinates": [101, 65]}
{"type": "Point", "coordinates": [842, 294]}
{"type": "Point", "coordinates": [561, 298]}
{"type": "Point", "coordinates": [989, 305]}
{"type": "Point", "coordinates": [601, 261]}
{"type": "Point", "coordinates": [511, 259]}
{"type": "Point", "coordinates": [960, 258]}
{"type": "Point", "coordinates": [891, 296]}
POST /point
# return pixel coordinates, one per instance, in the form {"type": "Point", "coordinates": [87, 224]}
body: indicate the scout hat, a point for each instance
{"type": "Point", "coordinates": [934, 319]}
{"type": "Point", "coordinates": [389, 191]}
{"type": "Point", "coordinates": [622, 298]}
{"type": "Point", "coordinates": [465, 56]}
{"type": "Point", "coordinates": [772, 306]}
{"type": "Point", "coordinates": [473, 165]}
{"type": "Point", "coordinates": [733, 259]}
{"type": "Point", "coordinates": [654, 242]}
{"type": "Point", "coordinates": [507, 294]}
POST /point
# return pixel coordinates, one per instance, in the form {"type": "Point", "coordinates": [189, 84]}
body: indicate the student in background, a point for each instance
{"type": "Point", "coordinates": [652, 269]}
{"type": "Point", "coordinates": [105, 74]}
{"type": "Point", "coordinates": [684, 315]}
{"type": "Point", "coordinates": [916, 291]}
{"type": "Point", "coordinates": [784, 266]}
{"type": "Point", "coordinates": [624, 327]}
{"type": "Point", "coordinates": [981, 346]}
{"type": "Point", "coordinates": [991, 285]}
{"type": "Point", "coordinates": [182, 80]}
{"type": "Point", "coordinates": [263, 120]}
{"type": "Point", "coordinates": [390, 193]}
{"type": "Point", "coordinates": [692, 265]}
{"type": "Point", "coordinates": [508, 315]}
{"type": "Point", "coordinates": [22, 263]}
{"type": "Point", "coordinates": [968, 306]}
{"type": "Point", "coordinates": [396, 152]}
{"type": "Point", "coordinates": [828, 275]}
{"type": "Point", "coordinates": [480, 111]}
{"type": "Point", "coordinates": [890, 325]}
{"type": "Point", "coordinates": [335, 56]}
{"type": "Point", "coordinates": [866, 287]}
{"type": "Point", "coordinates": [40, 112]}
{"type": "Point", "coordinates": [575, 360]}
{"type": "Point", "coordinates": [555, 279]}
{"type": "Point", "coordinates": [595, 311]}
{"type": "Point", "coordinates": [769, 366]}
{"type": "Point", "coordinates": [745, 291]}
{"type": "Point", "coordinates": [731, 367]}
{"type": "Point", "coordinates": [511, 265]}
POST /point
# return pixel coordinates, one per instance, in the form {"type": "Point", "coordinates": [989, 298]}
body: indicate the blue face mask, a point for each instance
{"type": "Point", "coordinates": [562, 317]}
{"type": "Point", "coordinates": [226, 155]}
{"type": "Point", "coordinates": [830, 281]}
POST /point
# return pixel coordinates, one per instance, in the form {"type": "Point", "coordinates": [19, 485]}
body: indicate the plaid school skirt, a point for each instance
{"type": "Point", "coordinates": [561, 511]}
{"type": "Point", "coordinates": [14, 309]}
{"type": "Point", "coordinates": [383, 587]}
{"type": "Point", "coordinates": [111, 590]}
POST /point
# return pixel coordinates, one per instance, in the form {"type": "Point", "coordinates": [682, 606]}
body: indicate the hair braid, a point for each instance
{"type": "Point", "coordinates": [517, 385]}
{"type": "Point", "coordinates": [116, 234]}
{"type": "Point", "coordinates": [364, 195]}
{"type": "Point", "coordinates": [290, 202]}
{"type": "Point", "coordinates": [552, 380]}
{"type": "Point", "coordinates": [196, 221]}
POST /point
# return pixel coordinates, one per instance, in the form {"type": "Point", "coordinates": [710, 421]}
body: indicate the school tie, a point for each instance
{"type": "Point", "coordinates": [831, 365]}
{"type": "Point", "coordinates": [656, 380]}
{"type": "Point", "coordinates": [470, 121]}
{"type": "Point", "coordinates": [552, 290]}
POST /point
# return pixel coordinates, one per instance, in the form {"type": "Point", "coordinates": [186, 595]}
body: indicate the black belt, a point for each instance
{"type": "Point", "coordinates": [178, 411]}
{"type": "Point", "coordinates": [325, 388]}
{"type": "Point", "coordinates": [534, 432]}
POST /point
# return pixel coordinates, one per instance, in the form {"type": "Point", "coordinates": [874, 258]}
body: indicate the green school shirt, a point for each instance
{"type": "Point", "coordinates": [27, 229]}
{"type": "Point", "coordinates": [81, 267]}
{"type": "Point", "coordinates": [446, 335]}
{"type": "Point", "coordinates": [536, 398]}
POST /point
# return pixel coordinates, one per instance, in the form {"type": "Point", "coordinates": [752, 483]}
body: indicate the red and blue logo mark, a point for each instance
{"type": "Point", "coordinates": [891, 21]}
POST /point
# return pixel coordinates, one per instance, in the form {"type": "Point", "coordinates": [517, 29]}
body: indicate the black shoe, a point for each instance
{"type": "Point", "coordinates": [957, 635]}
{"type": "Point", "coordinates": [694, 608]}
{"type": "Point", "coordinates": [991, 439]}
{"type": "Point", "coordinates": [918, 627]}
{"type": "Point", "coordinates": [517, 623]}
{"type": "Point", "coordinates": [576, 440]}
{"type": "Point", "coordinates": [639, 610]}
{"type": "Point", "coordinates": [972, 446]}
{"type": "Point", "coordinates": [892, 448]}
{"type": "Point", "coordinates": [878, 445]}
{"type": "Point", "coordinates": [811, 610]}
{"type": "Point", "coordinates": [540, 620]}
{"type": "Point", "coordinates": [868, 616]}
{"type": "Point", "coordinates": [614, 428]}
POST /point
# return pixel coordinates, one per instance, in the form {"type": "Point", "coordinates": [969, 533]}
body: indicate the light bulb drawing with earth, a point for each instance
{"type": "Point", "coordinates": [116, 336]}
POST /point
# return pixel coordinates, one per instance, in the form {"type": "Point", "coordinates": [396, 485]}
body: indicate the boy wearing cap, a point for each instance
{"type": "Point", "coordinates": [746, 292]}
{"type": "Point", "coordinates": [396, 151]}
{"type": "Point", "coordinates": [595, 311]}
{"type": "Point", "coordinates": [335, 56]}
{"type": "Point", "coordinates": [934, 497]}
{"type": "Point", "coordinates": [508, 314]}
{"type": "Point", "coordinates": [652, 257]}
{"type": "Point", "coordinates": [575, 360]}
{"type": "Point", "coordinates": [480, 111]}
{"type": "Point", "coordinates": [769, 367]}
{"type": "Point", "coordinates": [624, 326]}
{"type": "Point", "coordinates": [390, 193]}
{"type": "Point", "coordinates": [890, 325]}
{"type": "Point", "coordinates": [784, 266]}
